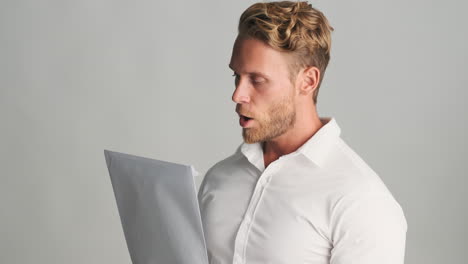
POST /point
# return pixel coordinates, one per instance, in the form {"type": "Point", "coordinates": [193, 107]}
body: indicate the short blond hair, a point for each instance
{"type": "Point", "coordinates": [292, 27]}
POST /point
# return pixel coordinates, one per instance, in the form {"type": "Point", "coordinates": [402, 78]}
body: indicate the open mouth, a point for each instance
{"type": "Point", "coordinates": [245, 118]}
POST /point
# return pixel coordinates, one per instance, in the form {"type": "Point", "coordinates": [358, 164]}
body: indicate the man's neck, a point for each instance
{"type": "Point", "coordinates": [290, 141]}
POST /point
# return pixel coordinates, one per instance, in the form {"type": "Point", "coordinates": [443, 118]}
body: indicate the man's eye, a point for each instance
{"type": "Point", "coordinates": [257, 80]}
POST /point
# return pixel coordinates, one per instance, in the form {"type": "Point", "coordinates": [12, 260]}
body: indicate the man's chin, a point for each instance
{"type": "Point", "coordinates": [249, 138]}
{"type": "Point", "coordinates": [251, 141]}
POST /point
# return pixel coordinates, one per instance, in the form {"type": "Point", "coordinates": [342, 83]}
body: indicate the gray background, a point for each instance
{"type": "Point", "coordinates": [151, 78]}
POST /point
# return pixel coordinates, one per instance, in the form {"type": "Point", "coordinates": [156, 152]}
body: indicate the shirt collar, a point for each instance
{"type": "Point", "coordinates": [315, 148]}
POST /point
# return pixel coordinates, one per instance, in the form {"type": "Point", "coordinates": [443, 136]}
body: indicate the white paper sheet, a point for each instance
{"type": "Point", "coordinates": [158, 207]}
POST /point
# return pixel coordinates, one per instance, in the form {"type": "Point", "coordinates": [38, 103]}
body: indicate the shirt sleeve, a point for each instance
{"type": "Point", "coordinates": [201, 192]}
{"type": "Point", "coordinates": [368, 229]}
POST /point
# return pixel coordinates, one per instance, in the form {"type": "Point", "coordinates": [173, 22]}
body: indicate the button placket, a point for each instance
{"type": "Point", "coordinates": [241, 240]}
{"type": "Point", "coordinates": [242, 233]}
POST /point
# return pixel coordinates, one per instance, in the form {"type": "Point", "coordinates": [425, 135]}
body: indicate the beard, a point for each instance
{"type": "Point", "coordinates": [278, 119]}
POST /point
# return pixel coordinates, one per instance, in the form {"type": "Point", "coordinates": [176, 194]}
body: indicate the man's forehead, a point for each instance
{"type": "Point", "coordinates": [252, 55]}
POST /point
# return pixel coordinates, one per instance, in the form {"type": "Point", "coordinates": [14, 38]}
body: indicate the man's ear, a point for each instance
{"type": "Point", "coordinates": [310, 80]}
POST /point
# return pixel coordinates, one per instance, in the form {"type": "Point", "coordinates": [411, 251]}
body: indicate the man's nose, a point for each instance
{"type": "Point", "coordinates": [241, 93]}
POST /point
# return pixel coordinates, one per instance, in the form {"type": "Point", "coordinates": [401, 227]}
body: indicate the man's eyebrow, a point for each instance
{"type": "Point", "coordinates": [254, 73]}
{"type": "Point", "coordinates": [259, 74]}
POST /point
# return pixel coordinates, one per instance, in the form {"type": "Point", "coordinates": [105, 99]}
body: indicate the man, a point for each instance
{"type": "Point", "coordinates": [294, 191]}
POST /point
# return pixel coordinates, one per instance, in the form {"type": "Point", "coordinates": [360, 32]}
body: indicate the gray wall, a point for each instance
{"type": "Point", "coordinates": [151, 78]}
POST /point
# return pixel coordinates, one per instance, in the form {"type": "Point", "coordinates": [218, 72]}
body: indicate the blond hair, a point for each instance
{"type": "Point", "coordinates": [292, 27]}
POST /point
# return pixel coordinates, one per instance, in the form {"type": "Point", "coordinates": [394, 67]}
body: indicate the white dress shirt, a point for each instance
{"type": "Point", "coordinates": [319, 204]}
